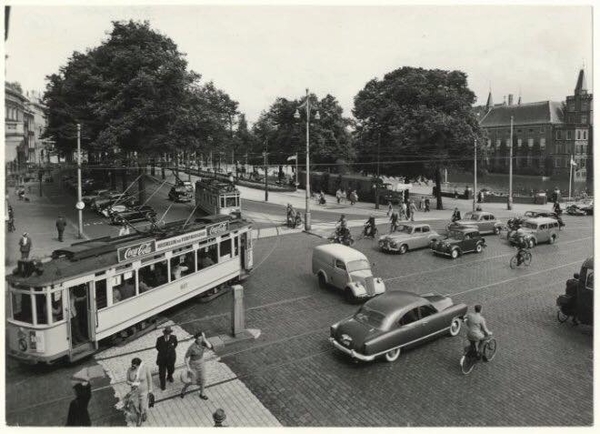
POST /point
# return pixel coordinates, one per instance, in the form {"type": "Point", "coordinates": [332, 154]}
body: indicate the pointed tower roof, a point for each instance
{"type": "Point", "coordinates": [490, 103]}
{"type": "Point", "coordinates": [581, 84]}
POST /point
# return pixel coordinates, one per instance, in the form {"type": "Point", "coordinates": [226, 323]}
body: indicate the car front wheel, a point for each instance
{"type": "Point", "coordinates": [454, 253]}
{"type": "Point", "coordinates": [322, 281]}
{"type": "Point", "coordinates": [392, 355]}
{"type": "Point", "coordinates": [496, 230]}
{"type": "Point", "coordinates": [455, 326]}
{"type": "Point", "coordinates": [479, 248]}
{"type": "Point", "coordinates": [403, 249]}
{"type": "Point", "coordinates": [552, 239]}
{"type": "Point", "coordinates": [531, 243]}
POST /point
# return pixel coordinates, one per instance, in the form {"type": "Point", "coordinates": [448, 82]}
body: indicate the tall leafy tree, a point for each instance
{"type": "Point", "coordinates": [417, 121]}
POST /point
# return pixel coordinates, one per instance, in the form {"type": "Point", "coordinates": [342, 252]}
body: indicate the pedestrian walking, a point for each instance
{"type": "Point", "coordinates": [140, 380]}
{"type": "Point", "coordinates": [338, 195]}
{"type": "Point", "coordinates": [413, 210]}
{"type": "Point", "coordinates": [194, 361]}
{"type": "Point", "coordinates": [61, 224]}
{"type": "Point", "coordinates": [390, 208]}
{"type": "Point", "coordinates": [455, 215]}
{"type": "Point", "coordinates": [219, 417]}
{"type": "Point", "coordinates": [403, 211]}
{"type": "Point", "coordinates": [11, 219]}
{"type": "Point", "coordinates": [25, 246]}
{"type": "Point", "coordinates": [427, 204]}
{"type": "Point", "coordinates": [165, 345]}
{"type": "Point", "coordinates": [408, 210]}
{"type": "Point", "coordinates": [78, 409]}
{"type": "Point", "coordinates": [422, 204]}
{"type": "Point", "coordinates": [394, 221]}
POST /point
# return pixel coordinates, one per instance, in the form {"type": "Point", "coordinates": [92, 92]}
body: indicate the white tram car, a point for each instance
{"type": "Point", "coordinates": [218, 197]}
{"type": "Point", "coordinates": [108, 287]}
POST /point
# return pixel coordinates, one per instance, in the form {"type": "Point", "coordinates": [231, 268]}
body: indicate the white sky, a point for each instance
{"type": "Point", "coordinates": [258, 53]}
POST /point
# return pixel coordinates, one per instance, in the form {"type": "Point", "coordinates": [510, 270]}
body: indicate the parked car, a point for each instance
{"type": "Point", "coordinates": [99, 203]}
{"type": "Point", "coordinates": [535, 231]}
{"type": "Point", "coordinates": [583, 207]}
{"type": "Point", "coordinates": [180, 193]}
{"type": "Point", "coordinates": [482, 220]}
{"type": "Point", "coordinates": [409, 236]}
{"type": "Point", "coordinates": [132, 214]}
{"type": "Point", "coordinates": [459, 241]}
{"type": "Point", "coordinates": [89, 197]}
{"type": "Point", "coordinates": [346, 269]}
{"type": "Point", "coordinates": [386, 324]}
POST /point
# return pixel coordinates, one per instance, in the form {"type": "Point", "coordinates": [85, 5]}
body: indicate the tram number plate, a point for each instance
{"type": "Point", "coordinates": [183, 285]}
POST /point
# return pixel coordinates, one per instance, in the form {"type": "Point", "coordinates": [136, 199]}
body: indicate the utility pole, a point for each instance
{"type": "Point", "coordinates": [377, 180]}
{"type": "Point", "coordinates": [79, 204]}
{"type": "Point", "coordinates": [510, 158]}
{"type": "Point", "coordinates": [296, 170]}
{"type": "Point", "coordinates": [475, 177]}
{"type": "Point", "coordinates": [265, 154]}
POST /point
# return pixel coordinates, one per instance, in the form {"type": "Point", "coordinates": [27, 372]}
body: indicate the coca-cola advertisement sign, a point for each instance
{"type": "Point", "coordinates": [217, 229]}
{"type": "Point", "coordinates": [136, 251]}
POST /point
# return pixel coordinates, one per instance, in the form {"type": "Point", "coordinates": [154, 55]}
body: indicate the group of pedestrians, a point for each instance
{"type": "Point", "coordinates": [406, 211]}
{"type": "Point", "coordinates": [351, 196]}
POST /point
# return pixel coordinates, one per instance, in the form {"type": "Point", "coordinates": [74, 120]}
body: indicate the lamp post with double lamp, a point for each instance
{"type": "Point", "coordinates": [317, 117]}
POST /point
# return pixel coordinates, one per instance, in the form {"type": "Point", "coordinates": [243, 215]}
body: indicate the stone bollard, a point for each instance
{"type": "Point", "coordinates": [237, 312]}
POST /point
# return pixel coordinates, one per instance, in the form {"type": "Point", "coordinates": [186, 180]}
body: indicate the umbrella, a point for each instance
{"type": "Point", "coordinates": [87, 374]}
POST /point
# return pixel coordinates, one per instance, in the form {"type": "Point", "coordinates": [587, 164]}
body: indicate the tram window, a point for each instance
{"type": "Point", "coordinates": [236, 246]}
{"type": "Point", "coordinates": [101, 297]}
{"type": "Point", "coordinates": [183, 265]}
{"type": "Point", "coordinates": [41, 309]}
{"type": "Point", "coordinates": [123, 287]}
{"type": "Point", "coordinates": [207, 256]}
{"type": "Point", "coordinates": [21, 307]}
{"type": "Point", "coordinates": [231, 201]}
{"type": "Point", "coordinates": [222, 202]}
{"type": "Point", "coordinates": [153, 275]}
{"type": "Point", "coordinates": [225, 248]}
{"type": "Point", "coordinates": [57, 306]}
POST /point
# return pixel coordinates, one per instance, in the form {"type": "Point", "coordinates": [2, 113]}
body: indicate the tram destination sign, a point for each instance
{"type": "Point", "coordinates": [136, 250]}
{"type": "Point", "coordinates": [190, 237]}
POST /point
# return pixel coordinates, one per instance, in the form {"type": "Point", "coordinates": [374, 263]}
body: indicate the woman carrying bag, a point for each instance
{"type": "Point", "coordinates": [194, 361]}
{"type": "Point", "coordinates": [140, 380]}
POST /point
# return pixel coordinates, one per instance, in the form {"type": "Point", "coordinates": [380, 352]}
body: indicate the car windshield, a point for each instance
{"type": "Point", "coordinates": [358, 265]}
{"type": "Point", "coordinates": [530, 214]}
{"type": "Point", "coordinates": [529, 225]}
{"type": "Point", "coordinates": [457, 235]}
{"type": "Point", "coordinates": [370, 317]}
{"type": "Point", "coordinates": [404, 228]}
{"type": "Point", "coordinates": [471, 216]}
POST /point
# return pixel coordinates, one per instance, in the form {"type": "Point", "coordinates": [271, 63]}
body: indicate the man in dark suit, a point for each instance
{"type": "Point", "coordinates": [165, 345]}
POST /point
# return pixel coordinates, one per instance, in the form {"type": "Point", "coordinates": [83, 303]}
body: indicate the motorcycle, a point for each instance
{"type": "Point", "coordinates": [369, 231]}
{"type": "Point", "coordinates": [340, 237]}
{"type": "Point", "coordinates": [294, 220]}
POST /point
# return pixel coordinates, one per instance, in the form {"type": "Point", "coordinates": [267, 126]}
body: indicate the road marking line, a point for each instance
{"type": "Point", "coordinates": [517, 278]}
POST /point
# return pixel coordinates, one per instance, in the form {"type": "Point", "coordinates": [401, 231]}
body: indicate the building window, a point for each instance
{"type": "Point", "coordinates": [498, 143]}
{"type": "Point", "coordinates": [582, 163]}
{"type": "Point", "coordinates": [584, 105]}
{"type": "Point", "coordinates": [530, 143]}
{"type": "Point", "coordinates": [519, 142]}
{"type": "Point", "coordinates": [571, 107]}
{"type": "Point", "coordinates": [578, 134]}
{"type": "Point", "coordinates": [543, 143]}
{"type": "Point", "coordinates": [584, 149]}
{"type": "Point", "coordinates": [584, 119]}
{"type": "Point", "coordinates": [558, 134]}
{"type": "Point", "coordinates": [576, 148]}
{"type": "Point", "coordinates": [569, 135]}
{"type": "Point", "coordinates": [528, 160]}
{"type": "Point", "coordinates": [557, 162]}
{"type": "Point", "coordinates": [584, 135]}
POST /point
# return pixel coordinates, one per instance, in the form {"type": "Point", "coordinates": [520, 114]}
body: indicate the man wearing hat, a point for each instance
{"type": "Point", "coordinates": [25, 246]}
{"type": "Point", "coordinates": [165, 345]}
{"type": "Point", "coordinates": [219, 417]}
{"type": "Point", "coordinates": [61, 224]}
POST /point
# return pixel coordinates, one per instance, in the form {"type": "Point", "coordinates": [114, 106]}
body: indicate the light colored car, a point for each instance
{"type": "Point", "coordinates": [536, 230]}
{"type": "Point", "coordinates": [347, 269]}
{"type": "Point", "coordinates": [87, 198]}
{"type": "Point", "coordinates": [483, 221]}
{"type": "Point", "coordinates": [410, 236]}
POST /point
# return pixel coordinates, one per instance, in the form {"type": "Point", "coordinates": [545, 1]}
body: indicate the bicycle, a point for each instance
{"type": "Point", "coordinates": [470, 358]}
{"type": "Point", "coordinates": [525, 259]}
{"type": "Point", "coordinates": [372, 234]}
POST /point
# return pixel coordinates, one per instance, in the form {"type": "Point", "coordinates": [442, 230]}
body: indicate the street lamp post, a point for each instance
{"type": "Point", "coordinates": [79, 201]}
{"type": "Point", "coordinates": [377, 181]}
{"type": "Point", "coordinates": [475, 176]}
{"type": "Point", "coordinates": [510, 158]}
{"type": "Point", "coordinates": [317, 117]}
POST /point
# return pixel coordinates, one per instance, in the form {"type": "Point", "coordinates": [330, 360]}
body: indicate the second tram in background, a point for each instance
{"type": "Point", "coordinates": [214, 196]}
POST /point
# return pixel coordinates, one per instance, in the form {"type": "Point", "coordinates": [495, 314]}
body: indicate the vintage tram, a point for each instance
{"type": "Point", "coordinates": [111, 287]}
{"type": "Point", "coordinates": [214, 196]}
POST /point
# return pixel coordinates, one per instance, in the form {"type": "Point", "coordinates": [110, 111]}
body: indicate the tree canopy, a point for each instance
{"type": "Point", "coordinates": [421, 119]}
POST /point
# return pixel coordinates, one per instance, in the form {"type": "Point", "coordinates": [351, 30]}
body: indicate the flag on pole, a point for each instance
{"type": "Point", "coordinates": [573, 163]}
{"type": "Point", "coordinates": [292, 158]}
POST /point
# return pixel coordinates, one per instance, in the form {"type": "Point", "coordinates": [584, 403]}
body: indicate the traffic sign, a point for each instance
{"type": "Point", "coordinates": [80, 205]}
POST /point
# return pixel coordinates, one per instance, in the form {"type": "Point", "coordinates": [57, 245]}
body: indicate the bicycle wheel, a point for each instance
{"type": "Point", "coordinates": [527, 258]}
{"type": "Point", "coordinates": [489, 350]}
{"type": "Point", "coordinates": [513, 262]}
{"type": "Point", "coordinates": [467, 363]}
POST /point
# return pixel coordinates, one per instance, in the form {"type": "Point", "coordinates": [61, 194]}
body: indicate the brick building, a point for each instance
{"type": "Point", "coordinates": [546, 135]}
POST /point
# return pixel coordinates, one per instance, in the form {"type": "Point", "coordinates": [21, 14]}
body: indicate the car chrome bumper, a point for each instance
{"type": "Point", "coordinates": [350, 352]}
{"type": "Point", "coordinates": [438, 252]}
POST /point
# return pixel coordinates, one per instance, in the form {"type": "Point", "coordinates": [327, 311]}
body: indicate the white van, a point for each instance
{"type": "Point", "coordinates": [347, 269]}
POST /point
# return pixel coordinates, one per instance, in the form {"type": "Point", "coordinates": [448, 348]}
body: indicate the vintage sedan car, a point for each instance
{"type": "Point", "coordinates": [459, 241]}
{"type": "Point", "coordinates": [535, 231]}
{"type": "Point", "coordinates": [98, 204]}
{"type": "Point", "coordinates": [386, 324]}
{"type": "Point", "coordinates": [93, 194]}
{"type": "Point", "coordinates": [483, 221]}
{"type": "Point", "coordinates": [583, 207]}
{"type": "Point", "coordinates": [409, 236]}
{"type": "Point", "coordinates": [132, 215]}
{"type": "Point", "coordinates": [180, 193]}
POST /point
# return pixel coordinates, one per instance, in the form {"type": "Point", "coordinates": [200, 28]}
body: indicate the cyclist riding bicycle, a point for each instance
{"type": "Point", "coordinates": [477, 329]}
{"type": "Point", "coordinates": [523, 246]}
{"type": "Point", "coordinates": [370, 227]}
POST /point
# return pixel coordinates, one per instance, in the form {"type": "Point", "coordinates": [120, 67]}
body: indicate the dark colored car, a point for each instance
{"type": "Point", "coordinates": [101, 202]}
{"type": "Point", "coordinates": [133, 215]}
{"type": "Point", "coordinates": [583, 207]}
{"type": "Point", "coordinates": [394, 320]}
{"type": "Point", "coordinates": [180, 193]}
{"type": "Point", "coordinates": [459, 241]}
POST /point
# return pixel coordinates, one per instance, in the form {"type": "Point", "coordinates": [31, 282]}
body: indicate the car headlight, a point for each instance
{"type": "Point", "coordinates": [393, 244]}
